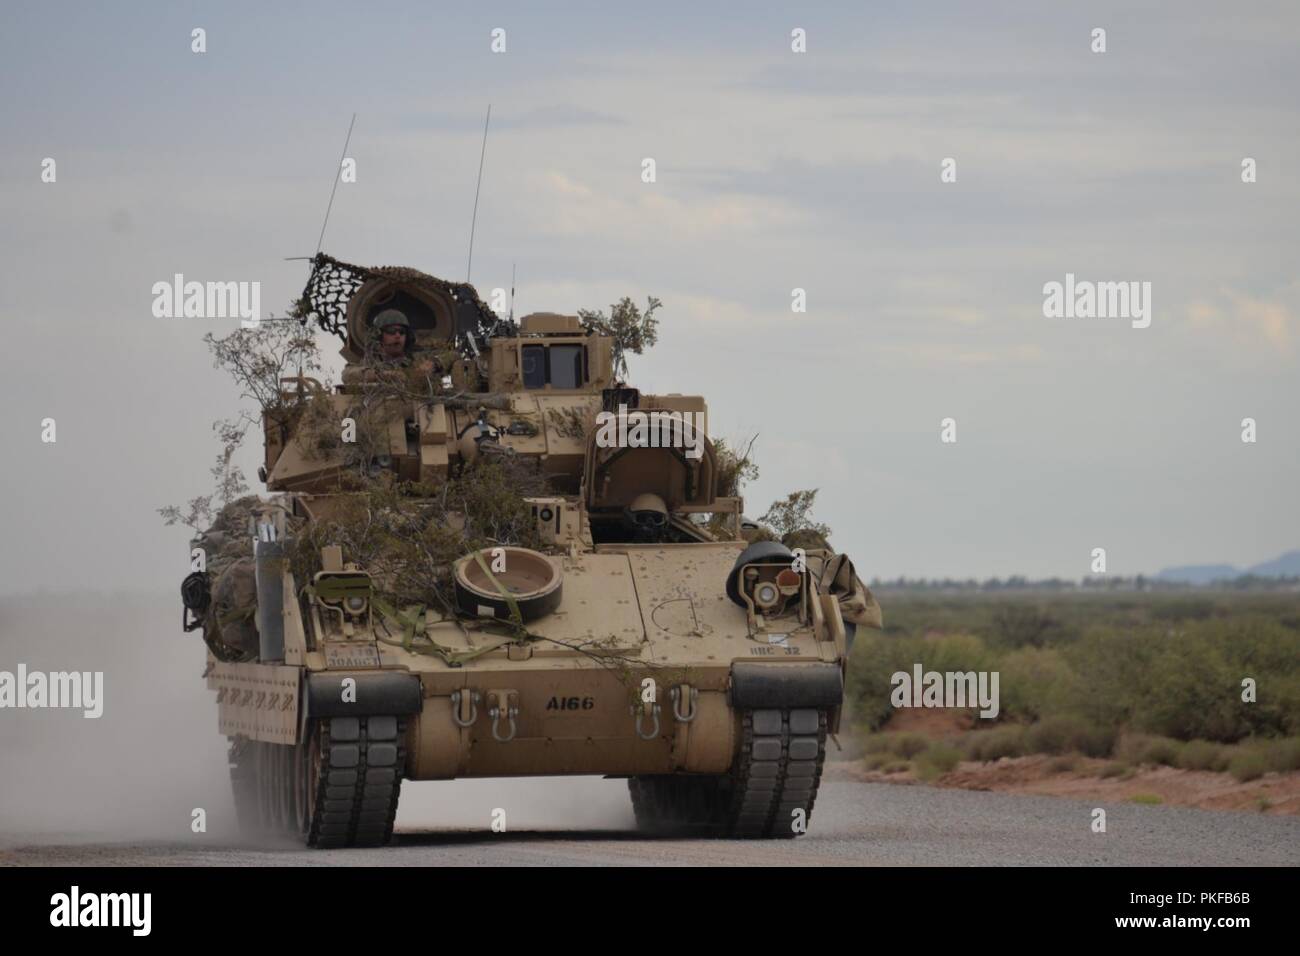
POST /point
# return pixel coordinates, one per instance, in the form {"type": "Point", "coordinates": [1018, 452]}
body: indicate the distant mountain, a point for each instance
{"type": "Point", "coordinates": [1288, 565]}
{"type": "Point", "coordinates": [1200, 573]}
{"type": "Point", "coordinates": [1284, 567]}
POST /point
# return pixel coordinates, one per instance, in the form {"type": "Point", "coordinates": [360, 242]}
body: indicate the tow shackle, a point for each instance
{"type": "Point", "coordinates": [639, 717]}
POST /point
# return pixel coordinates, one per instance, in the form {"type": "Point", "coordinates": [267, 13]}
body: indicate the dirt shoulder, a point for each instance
{"type": "Point", "coordinates": [1273, 793]}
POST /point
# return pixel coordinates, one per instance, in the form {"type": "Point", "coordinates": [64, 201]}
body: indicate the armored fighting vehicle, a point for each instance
{"type": "Point", "coordinates": [627, 625]}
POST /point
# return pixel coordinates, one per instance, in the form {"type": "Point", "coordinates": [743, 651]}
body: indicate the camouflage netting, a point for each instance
{"type": "Point", "coordinates": [332, 284]}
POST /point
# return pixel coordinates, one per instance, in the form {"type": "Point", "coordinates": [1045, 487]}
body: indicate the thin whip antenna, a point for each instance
{"type": "Point", "coordinates": [337, 176]}
{"type": "Point", "coordinates": [477, 186]}
{"type": "Point", "coordinates": [512, 292]}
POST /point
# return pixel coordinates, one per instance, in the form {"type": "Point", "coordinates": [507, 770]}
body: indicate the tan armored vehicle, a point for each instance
{"type": "Point", "coordinates": [627, 629]}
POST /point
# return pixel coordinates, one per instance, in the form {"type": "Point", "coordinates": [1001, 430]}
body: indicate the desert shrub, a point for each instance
{"type": "Point", "coordinates": [1248, 764]}
{"type": "Point", "coordinates": [1110, 665]}
{"type": "Point", "coordinates": [936, 614]}
{"type": "Point", "coordinates": [1113, 769]}
{"type": "Point", "coordinates": [632, 330]}
{"type": "Point", "coordinates": [1061, 733]}
{"type": "Point", "coordinates": [1190, 692]}
{"type": "Point", "coordinates": [1147, 749]}
{"type": "Point", "coordinates": [905, 745]}
{"type": "Point", "coordinates": [955, 652]}
{"type": "Point", "coordinates": [1050, 736]}
{"type": "Point", "coordinates": [1063, 763]}
{"type": "Point", "coordinates": [1182, 609]}
{"type": "Point", "coordinates": [1093, 741]}
{"type": "Point", "coordinates": [405, 535]}
{"type": "Point", "coordinates": [1258, 646]}
{"type": "Point", "coordinates": [1277, 756]}
{"type": "Point", "coordinates": [878, 656]}
{"type": "Point", "coordinates": [1036, 682]}
{"type": "Point", "coordinates": [937, 759]}
{"type": "Point", "coordinates": [1158, 680]}
{"type": "Point", "coordinates": [735, 467]}
{"type": "Point", "coordinates": [794, 514]}
{"type": "Point", "coordinates": [1203, 755]}
{"type": "Point", "coordinates": [995, 743]}
{"type": "Point", "coordinates": [1024, 625]}
{"type": "Point", "coordinates": [1283, 755]}
{"type": "Point", "coordinates": [875, 657]}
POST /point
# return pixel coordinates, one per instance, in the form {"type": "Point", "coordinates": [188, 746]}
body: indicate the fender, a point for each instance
{"type": "Point", "coordinates": [378, 693]}
{"type": "Point", "coordinates": [755, 685]}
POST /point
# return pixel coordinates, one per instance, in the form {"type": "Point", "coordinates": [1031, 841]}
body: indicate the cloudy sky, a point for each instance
{"type": "Point", "coordinates": [776, 170]}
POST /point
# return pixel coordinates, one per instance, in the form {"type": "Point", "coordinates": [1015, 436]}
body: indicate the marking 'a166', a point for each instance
{"type": "Point", "coordinates": [571, 703]}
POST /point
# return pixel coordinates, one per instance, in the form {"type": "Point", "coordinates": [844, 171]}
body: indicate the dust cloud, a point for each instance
{"type": "Point", "coordinates": [530, 803]}
{"type": "Point", "coordinates": [153, 756]}
{"type": "Point", "coordinates": [139, 771]}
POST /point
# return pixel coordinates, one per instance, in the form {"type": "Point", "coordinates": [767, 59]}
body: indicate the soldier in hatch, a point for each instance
{"type": "Point", "coordinates": [396, 344]}
{"type": "Point", "coordinates": [393, 349]}
{"type": "Point", "coordinates": [647, 518]}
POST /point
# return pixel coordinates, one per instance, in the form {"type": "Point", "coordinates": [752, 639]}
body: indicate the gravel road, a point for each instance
{"type": "Point", "coordinates": [864, 824]}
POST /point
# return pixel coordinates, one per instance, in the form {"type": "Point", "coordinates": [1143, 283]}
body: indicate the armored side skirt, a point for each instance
{"type": "Point", "coordinates": [257, 701]}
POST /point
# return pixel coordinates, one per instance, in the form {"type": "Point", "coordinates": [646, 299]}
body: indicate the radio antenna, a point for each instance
{"type": "Point", "coordinates": [512, 292]}
{"type": "Point", "coordinates": [473, 221]}
{"type": "Point", "coordinates": [337, 176]}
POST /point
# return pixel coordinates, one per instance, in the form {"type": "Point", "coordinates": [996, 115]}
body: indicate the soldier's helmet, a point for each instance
{"type": "Point", "coordinates": [391, 317]}
{"type": "Point", "coordinates": [648, 513]}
